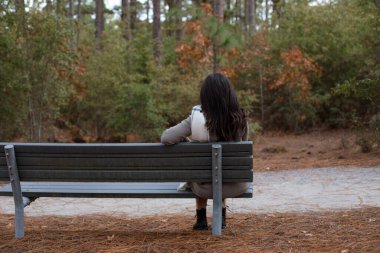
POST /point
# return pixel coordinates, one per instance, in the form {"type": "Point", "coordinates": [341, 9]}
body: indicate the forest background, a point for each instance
{"type": "Point", "coordinates": [127, 73]}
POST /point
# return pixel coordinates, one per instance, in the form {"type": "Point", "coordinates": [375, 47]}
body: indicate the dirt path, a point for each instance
{"type": "Point", "coordinates": [323, 189]}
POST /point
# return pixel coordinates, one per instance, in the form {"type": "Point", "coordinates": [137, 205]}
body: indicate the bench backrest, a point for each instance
{"type": "Point", "coordinates": [132, 162]}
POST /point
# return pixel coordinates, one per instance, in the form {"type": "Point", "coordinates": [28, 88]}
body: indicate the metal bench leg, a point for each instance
{"type": "Point", "coordinates": [217, 189]}
{"type": "Point", "coordinates": [16, 188]}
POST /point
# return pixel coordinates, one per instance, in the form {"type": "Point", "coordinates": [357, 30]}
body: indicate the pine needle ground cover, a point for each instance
{"type": "Point", "coordinates": [345, 231]}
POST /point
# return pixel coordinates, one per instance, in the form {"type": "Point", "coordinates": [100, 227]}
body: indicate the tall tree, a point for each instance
{"type": "Point", "coordinates": [20, 11]}
{"type": "Point", "coordinates": [169, 18]}
{"type": "Point", "coordinates": [147, 8]}
{"type": "Point", "coordinates": [250, 16]}
{"type": "Point", "coordinates": [219, 13]}
{"type": "Point", "coordinates": [58, 7]}
{"type": "Point", "coordinates": [99, 21]}
{"type": "Point", "coordinates": [219, 9]}
{"type": "Point", "coordinates": [70, 13]}
{"type": "Point", "coordinates": [49, 6]}
{"type": "Point", "coordinates": [276, 8]}
{"type": "Point", "coordinates": [178, 18]}
{"type": "Point", "coordinates": [156, 31]}
{"type": "Point", "coordinates": [174, 18]}
{"type": "Point", "coordinates": [79, 10]}
{"type": "Point", "coordinates": [125, 19]}
{"type": "Point", "coordinates": [20, 6]}
{"type": "Point", "coordinates": [237, 11]}
{"type": "Point", "coordinates": [133, 14]}
{"type": "Point", "coordinates": [79, 17]}
{"type": "Point", "coordinates": [228, 5]}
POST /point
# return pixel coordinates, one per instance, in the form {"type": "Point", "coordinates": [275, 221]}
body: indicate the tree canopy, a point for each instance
{"type": "Point", "coordinates": [127, 73]}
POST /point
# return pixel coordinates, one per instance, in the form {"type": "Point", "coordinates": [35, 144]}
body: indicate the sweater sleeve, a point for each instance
{"type": "Point", "coordinates": [176, 133]}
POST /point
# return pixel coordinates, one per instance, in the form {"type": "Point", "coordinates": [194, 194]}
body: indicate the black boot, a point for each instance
{"type": "Point", "coordinates": [201, 220]}
{"type": "Point", "coordinates": [224, 218]}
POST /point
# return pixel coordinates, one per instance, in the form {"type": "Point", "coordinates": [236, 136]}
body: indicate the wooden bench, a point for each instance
{"type": "Point", "coordinates": [144, 170]}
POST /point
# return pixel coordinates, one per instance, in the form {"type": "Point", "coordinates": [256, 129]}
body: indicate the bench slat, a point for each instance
{"type": "Point", "coordinates": [130, 176]}
{"type": "Point", "coordinates": [124, 168]}
{"type": "Point", "coordinates": [103, 190]}
{"type": "Point", "coordinates": [3, 161]}
{"type": "Point", "coordinates": [131, 148]}
{"type": "Point", "coordinates": [125, 162]}
{"type": "Point", "coordinates": [126, 155]}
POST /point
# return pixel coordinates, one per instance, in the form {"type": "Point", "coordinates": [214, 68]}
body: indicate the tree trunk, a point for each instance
{"type": "Point", "coordinates": [169, 18]}
{"type": "Point", "coordinates": [228, 5]}
{"type": "Point", "coordinates": [49, 6]}
{"type": "Point", "coordinates": [124, 19]}
{"type": "Point", "coordinates": [218, 12]}
{"type": "Point", "coordinates": [178, 18]}
{"type": "Point", "coordinates": [99, 22]}
{"type": "Point", "coordinates": [70, 13]}
{"type": "Point", "coordinates": [174, 19]}
{"type": "Point", "coordinates": [58, 7]}
{"type": "Point", "coordinates": [20, 7]}
{"type": "Point", "coordinates": [261, 95]}
{"type": "Point", "coordinates": [250, 16]}
{"type": "Point", "coordinates": [20, 12]}
{"type": "Point", "coordinates": [219, 9]}
{"type": "Point", "coordinates": [133, 15]}
{"type": "Point", "coordinates": [79, 17]}
{"type": "Point", "coordinates": [276, 8]}
{"type": "Point", "coordinates": [238, 11]}
{"type": "Point", "coordinates": [147, 11]}
{"type": "Point", "coordinates": [156, 31]}
{"type": "Point", "coordinates": [266, 12]}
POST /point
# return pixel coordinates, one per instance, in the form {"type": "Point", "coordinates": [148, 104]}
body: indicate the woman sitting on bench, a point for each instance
{"type": "Point", "coordinates": [219, 118]}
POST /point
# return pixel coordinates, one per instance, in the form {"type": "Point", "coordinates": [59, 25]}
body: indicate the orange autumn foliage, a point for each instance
{"type": "Point", "coordinates": [198, 50]}
{"type": "Point", "coordinates": [295, 72]}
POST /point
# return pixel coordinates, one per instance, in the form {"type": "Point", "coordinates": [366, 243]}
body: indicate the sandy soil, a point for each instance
{"type": "Point", "coordinates": [278, 151]}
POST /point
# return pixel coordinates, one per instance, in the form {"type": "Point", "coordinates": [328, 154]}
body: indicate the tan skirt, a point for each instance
{"type": "Point", "coordinates": [229, 190]}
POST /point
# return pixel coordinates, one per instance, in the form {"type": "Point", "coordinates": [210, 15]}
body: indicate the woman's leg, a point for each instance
{"type": "Point", "coordinates": [224, 210]}
{"type": "Point", "coordinates": [201, 223]}
{"type": "Point", "coordinates": [201, 203]}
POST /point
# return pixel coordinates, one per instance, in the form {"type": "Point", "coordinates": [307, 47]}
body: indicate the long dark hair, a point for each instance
{"type": "Point", "coordinates": [220, 105]}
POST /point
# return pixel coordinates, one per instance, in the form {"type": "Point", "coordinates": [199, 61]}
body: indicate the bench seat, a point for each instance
{"type": "Point", "coordinates": [103, 190]}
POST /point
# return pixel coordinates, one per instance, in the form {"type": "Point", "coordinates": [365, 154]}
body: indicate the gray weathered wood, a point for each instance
{"type": "Point", "coordinates": [131, 148]}
{"type": "Point", "coordinates": [109, 175]}
{"type": "Point", "coordinates": [125, 162]}
{"type": "Point", "coordinates": [217, 189]}
{"type": "Point", "coordinates": [156, 167]}
{"type": "Point", "coordinates": [16, 188]}
{"type": "Point", "coordinates": [126, 155]}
